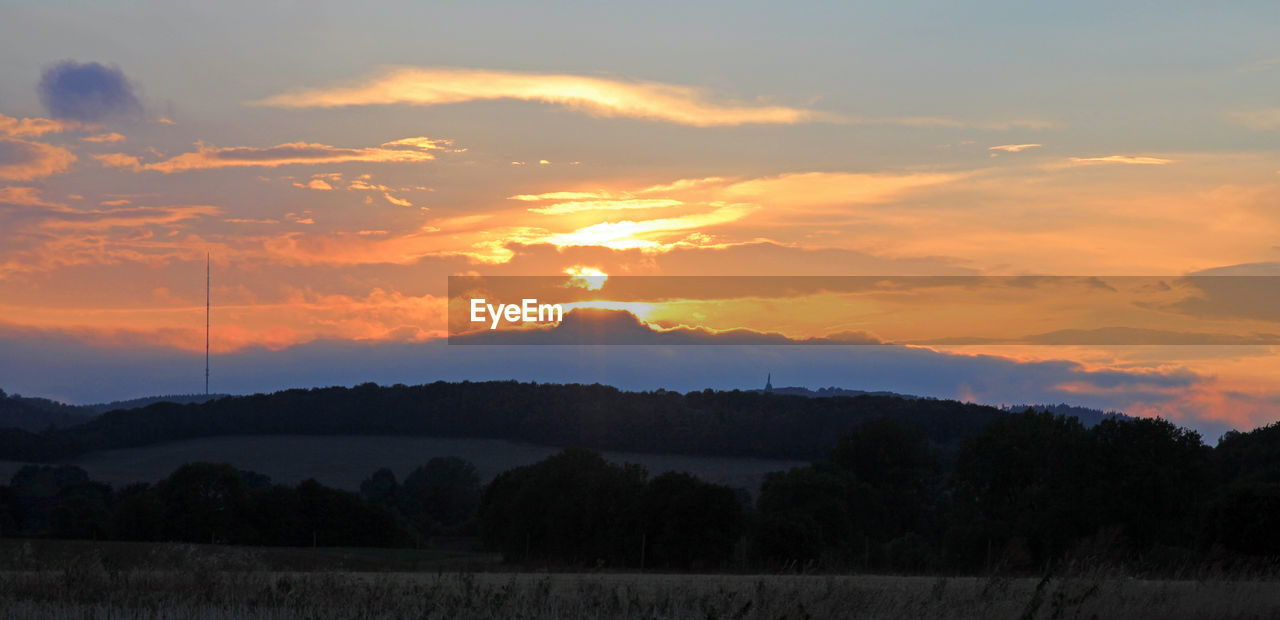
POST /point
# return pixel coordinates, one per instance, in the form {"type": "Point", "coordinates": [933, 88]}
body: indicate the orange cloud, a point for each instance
{"type": "Point", "coordinates": [104, 137]}
{"type": "Point", "coordinates": [24, 197]}
{"type": "Point", "coordinates": [21, 160]}
{"type": "Point", "coordinates": [602, 97]}
{"type": "Point", "coordinates": [126, 218]}
{"type": "Point", "coordinates": [61, 237]}
{"type": "Point", "coordinates": [34, 127]}
{"type": "Point", "coordinates": [209, 157]}
{"type": "Point", "coordinates": [317, 184]}
{"type": "Point", "coordinates": [119, 160]}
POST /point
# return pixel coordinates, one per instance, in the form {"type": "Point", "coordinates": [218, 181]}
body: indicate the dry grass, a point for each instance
{"type": "Point", "coordinates": [183, 581]}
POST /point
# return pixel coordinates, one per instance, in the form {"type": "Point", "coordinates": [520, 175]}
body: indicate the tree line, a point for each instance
{"type": "Point", "coordinates": [1028, 490]}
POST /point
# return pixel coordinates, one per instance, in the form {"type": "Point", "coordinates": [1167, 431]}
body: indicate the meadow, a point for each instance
{"type": "Point", "coordinates": [149, 580]}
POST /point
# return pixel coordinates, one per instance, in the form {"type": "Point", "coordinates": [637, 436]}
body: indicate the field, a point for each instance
{"type": "Point", "coordinates": [84, 579]}
{"type": "Point", "coordinates": [343, 461]}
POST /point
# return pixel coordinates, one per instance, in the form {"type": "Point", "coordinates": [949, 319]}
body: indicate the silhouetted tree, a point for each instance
{"type": "Point", "coordinates": [689, 523]}
{"type": "Point", "coordinates": [1150, 478]}
{"type": "Point", "coordinates": [138, 514]}
{"type": "Point", "coordinates": [819, 511]}
{"type": "Point", "coordinates": [903, 473]}
{"type": "Point", "coordinates": [572, 507]}
{"type": "Point", "coordinates": [36, 490]}
{"type": "Point", "coordinates": [440, 496]}
{"type": "Point", "coordinates": [1024, 477]}
{"type": "Point", "coordinates": [380, 488]}
{"type": "Point", "coordinates": [205, 502]}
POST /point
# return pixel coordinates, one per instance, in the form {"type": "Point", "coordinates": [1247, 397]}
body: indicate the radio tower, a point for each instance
{"type": "Point", "coordinates": [206, 323]}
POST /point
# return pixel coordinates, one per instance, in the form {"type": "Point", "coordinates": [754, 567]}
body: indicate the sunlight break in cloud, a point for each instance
{"type": "Point", "coordinates": [629, 235]}
{"type": "Point", "coordinates": [1122, 159]}
{"type": "Point", "coordinates": [207, 157]}
{"type": "Point", "coordinates": [603, 97]}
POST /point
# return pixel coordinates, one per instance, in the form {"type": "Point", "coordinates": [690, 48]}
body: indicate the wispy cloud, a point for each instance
{"type": "Point", "coordinates": [104, 137]}
{"type": "Point", "coordinates": [559, 196]}
{"type": "Point", "coordinates": [1013, 148]}
{"type": "Point", "coordinates": [209, 157]}
{"type": "Point", "coordinates": [399, 202]}
{"type": "Point", "coordinates": [561, 208]}
{"type": "Point", "coordinates": [598, 96]}
{"type": "Point", "coordinates": [1121, 159]}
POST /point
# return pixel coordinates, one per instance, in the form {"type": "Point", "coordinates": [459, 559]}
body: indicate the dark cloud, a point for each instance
{"type": "Point", "coordinates": [88, 92]}
{"type": "Point", "coordinates": [619, 327]}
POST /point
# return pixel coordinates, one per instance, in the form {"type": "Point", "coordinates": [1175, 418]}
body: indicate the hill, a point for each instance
{"type": "Point", "coordinates": [135, 403]}
{"type": "Point", "coordinates": [707, 423]}
{"type": "Point", "coordinates": [38, 414]}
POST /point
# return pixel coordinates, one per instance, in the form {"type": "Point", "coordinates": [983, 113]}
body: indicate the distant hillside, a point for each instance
{"type": "Point", "coordinates": [38, 414]}
{"type": "Point", "coordinates": [828, 392]}
{"type": "Point", "coordinates": [135, 403]}
{"type": "Point", "coordinates": [1087, 416]}
{"type": "Point", "coordinates": [706, 423]}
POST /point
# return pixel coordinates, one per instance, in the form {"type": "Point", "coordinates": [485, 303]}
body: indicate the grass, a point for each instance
{"type": "Point", "coordinates": [136, 580]}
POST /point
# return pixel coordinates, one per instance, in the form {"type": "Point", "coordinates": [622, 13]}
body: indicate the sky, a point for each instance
{"type": "Point", "coordinates": [340, 162]}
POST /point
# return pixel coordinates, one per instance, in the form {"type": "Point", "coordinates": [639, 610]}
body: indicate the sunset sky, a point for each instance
{"type": "Point", "coordinates": [340, 162]}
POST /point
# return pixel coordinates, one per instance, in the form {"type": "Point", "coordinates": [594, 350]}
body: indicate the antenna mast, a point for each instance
{"type": "Point", "coordinates": [206, 323]}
